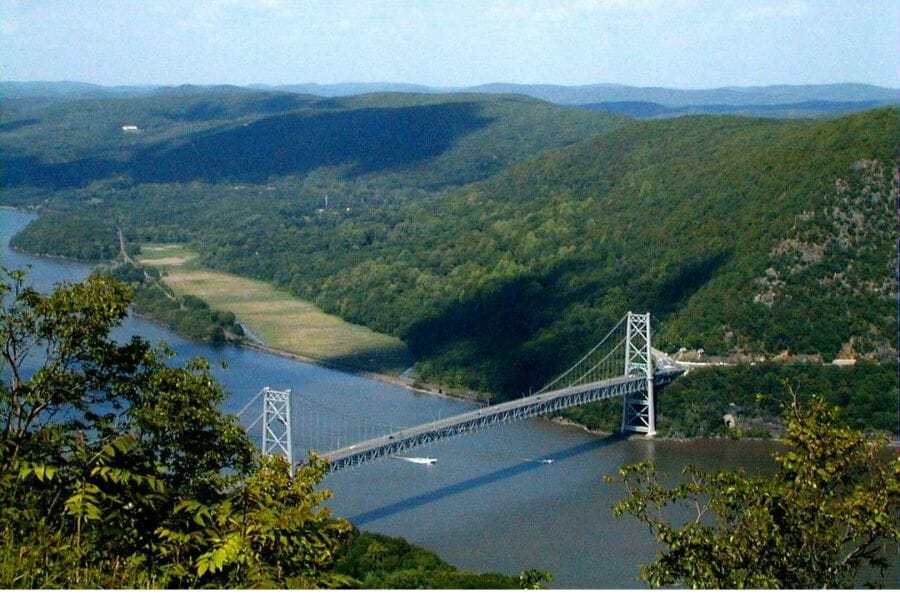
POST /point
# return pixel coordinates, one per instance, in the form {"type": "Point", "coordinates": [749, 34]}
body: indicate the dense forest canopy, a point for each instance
{"type": "Point", "coordinates": [493, 234]}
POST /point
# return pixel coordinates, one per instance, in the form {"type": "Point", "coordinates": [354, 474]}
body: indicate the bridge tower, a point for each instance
{"type": "Point", "coordinates": [277, 424]}
{"type": "Point", "coordinates": [639, 410]}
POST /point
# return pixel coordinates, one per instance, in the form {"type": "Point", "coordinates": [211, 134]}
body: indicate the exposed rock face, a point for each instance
{"type": "Point", "coordinates": [844, 250]}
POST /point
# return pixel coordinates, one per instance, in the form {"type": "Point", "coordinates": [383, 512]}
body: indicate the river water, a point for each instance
{"type": "Point", "coordinates": [489, 503]}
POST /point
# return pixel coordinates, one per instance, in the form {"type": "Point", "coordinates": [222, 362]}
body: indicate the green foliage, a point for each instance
{"type": "Point", "coordinates": [493, 287]}
{"type": "Point", "coordinates": [829, 511]}
{"type": "Point", "coordinates": [694, 405]}
{"type": "Point", "coordinates": [269, 534]}
{"type": "Point", "coordinates": [118, 469]}
{"type": "Point", "coordinates": [244, 136]}
{"type": "Point", "coordinates": [534, 579]}
{"type": "Point", "coordinates": [81, 237]}
{"type": "Point", "coordinates": [380, 562]}
{"type": "Point", "coordinates": [732, 231]}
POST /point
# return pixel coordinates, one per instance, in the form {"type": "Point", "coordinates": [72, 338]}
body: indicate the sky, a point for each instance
{"type": "Point", "coordinates": [447, 43]}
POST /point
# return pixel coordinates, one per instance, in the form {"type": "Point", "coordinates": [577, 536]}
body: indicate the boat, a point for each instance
{"type": "Point", "coordinates": [419, 460]}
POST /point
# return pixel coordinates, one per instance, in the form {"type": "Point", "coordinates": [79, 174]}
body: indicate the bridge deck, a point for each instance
{"type": "Point", "coordinates": [468, 422]}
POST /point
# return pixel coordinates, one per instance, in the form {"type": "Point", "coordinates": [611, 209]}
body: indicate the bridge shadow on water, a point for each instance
{"type": "Point", "coordinates": [488, 478]}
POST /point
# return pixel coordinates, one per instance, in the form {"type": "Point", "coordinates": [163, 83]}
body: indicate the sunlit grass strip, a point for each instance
{"type": "Point", "coordinates": [283, 321]}
{"type": "Point", "coordinates": [165, 255]}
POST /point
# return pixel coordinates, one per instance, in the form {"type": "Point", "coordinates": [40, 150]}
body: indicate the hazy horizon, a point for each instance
{"type": "Point", "coordinates": [441, 87]}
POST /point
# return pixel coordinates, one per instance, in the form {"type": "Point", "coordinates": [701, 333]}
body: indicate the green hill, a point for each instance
{"type": "Point", "coordinates": [235, 135]}
{"type": "Point", "coordinates": [744, 237]}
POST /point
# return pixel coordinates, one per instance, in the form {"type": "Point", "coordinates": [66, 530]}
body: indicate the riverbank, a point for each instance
{"type": "Point", "coordinates": [396, 380]}
{"type": "Point", "coordinates": [562, 421]}
{"type": "Point", "coordinates": [48, 256]}
{"type": "Point", "coordinates": [286, 326]}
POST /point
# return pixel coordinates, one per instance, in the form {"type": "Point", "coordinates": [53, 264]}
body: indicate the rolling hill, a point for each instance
{"type": "Point", "coordinates": [245, 136]}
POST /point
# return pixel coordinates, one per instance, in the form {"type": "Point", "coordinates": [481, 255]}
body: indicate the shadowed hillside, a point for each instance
{"type": "Point", "coordinates": [364, 140]}
{"type": "Point", "coordinates": [231, 134]}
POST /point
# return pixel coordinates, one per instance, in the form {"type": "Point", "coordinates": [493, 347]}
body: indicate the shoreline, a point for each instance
{"type": "Point", "coordinates": [262, 346]}
{"type": "Point", "coordinates": [563, 422]}
{"type": "Point", "coordinates": [343, 368]}
{"type": "Point", "coordinates": [36, 215]}
{"type": "Point", "coordinates": [434, 390]}
{"type": "Point", "coordinates": [60, 257]}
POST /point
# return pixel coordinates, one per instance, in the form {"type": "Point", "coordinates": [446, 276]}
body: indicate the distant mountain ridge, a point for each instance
{"type": "Point", "coordinates": [220, 133]}
{"type": "Point", "coordinates": [808, 108]}
{"type": "Point", "coordinates": [558, 94]}
{"type": "Point", "coordinates": [728, 96]}
{"type": "Point", "coordinates": [67, 89]}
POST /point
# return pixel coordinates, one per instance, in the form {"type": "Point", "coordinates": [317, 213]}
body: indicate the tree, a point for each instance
{"type": "Point", "coordinates": [119, 470]}
{"type": "Point", "coordinates": [830, 510]}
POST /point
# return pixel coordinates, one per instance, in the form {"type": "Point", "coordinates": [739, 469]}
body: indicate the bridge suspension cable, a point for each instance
{"type": "Point", "coordinates": [250, 403]}
{"type": "Point", "coordinates": [606, 365]}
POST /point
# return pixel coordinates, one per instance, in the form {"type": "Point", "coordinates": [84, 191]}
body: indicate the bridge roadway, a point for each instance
{"type": "Point", "coordinates": [507, 412]}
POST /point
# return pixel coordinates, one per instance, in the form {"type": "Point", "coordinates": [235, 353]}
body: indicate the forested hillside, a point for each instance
{"type": "Point", "coordinates": [744, 237]}
{"type": "Point", "coordinates": [688, 218]}
{"type": "Point", "coordinates": [235, 135]}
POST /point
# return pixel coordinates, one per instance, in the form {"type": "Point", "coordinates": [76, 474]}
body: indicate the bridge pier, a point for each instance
{"type": "Point", "coordinates": [638, 413]}
{"type": "Point", "coordinates": [639, 408]}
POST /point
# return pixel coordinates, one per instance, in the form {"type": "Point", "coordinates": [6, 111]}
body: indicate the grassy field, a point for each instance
{"type": "Point", "coordinates": [163, 256]}
{"type": "Point", "coordinates": [282, 321]}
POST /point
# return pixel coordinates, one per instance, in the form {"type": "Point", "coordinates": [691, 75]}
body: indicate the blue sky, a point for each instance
{"type": "Point", "coordinates": [672, 43]}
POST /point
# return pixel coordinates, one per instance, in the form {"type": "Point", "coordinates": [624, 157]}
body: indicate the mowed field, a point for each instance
{"type": "Point", "coordinates": [282, 321]}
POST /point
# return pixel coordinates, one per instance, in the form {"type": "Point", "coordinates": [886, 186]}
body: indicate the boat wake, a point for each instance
{"type": "Point", "coordinates": [419, 460]}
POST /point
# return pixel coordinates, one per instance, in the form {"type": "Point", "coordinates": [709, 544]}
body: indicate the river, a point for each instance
{"type": "Point", "coordinates": [489, 503]}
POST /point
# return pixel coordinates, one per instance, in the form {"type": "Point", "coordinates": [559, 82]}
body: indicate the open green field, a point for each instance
{"type": "Point", "coordinates": [163, 256]}
{"type": "Point", "coordinates": [283, 321]}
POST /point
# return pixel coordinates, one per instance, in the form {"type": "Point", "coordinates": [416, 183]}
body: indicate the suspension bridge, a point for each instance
{"type": "Point", "coordinates": [622, 364]}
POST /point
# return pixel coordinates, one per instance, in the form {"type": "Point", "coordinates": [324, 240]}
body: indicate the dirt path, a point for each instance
{"type": "Point", "coordinates": [122, 251]}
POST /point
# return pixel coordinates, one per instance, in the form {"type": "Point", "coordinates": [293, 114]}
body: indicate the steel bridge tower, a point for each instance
{"type": "Point", "coordinates": [639, 409]}
{"type": "Point", "coordinates": [277, 424]}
